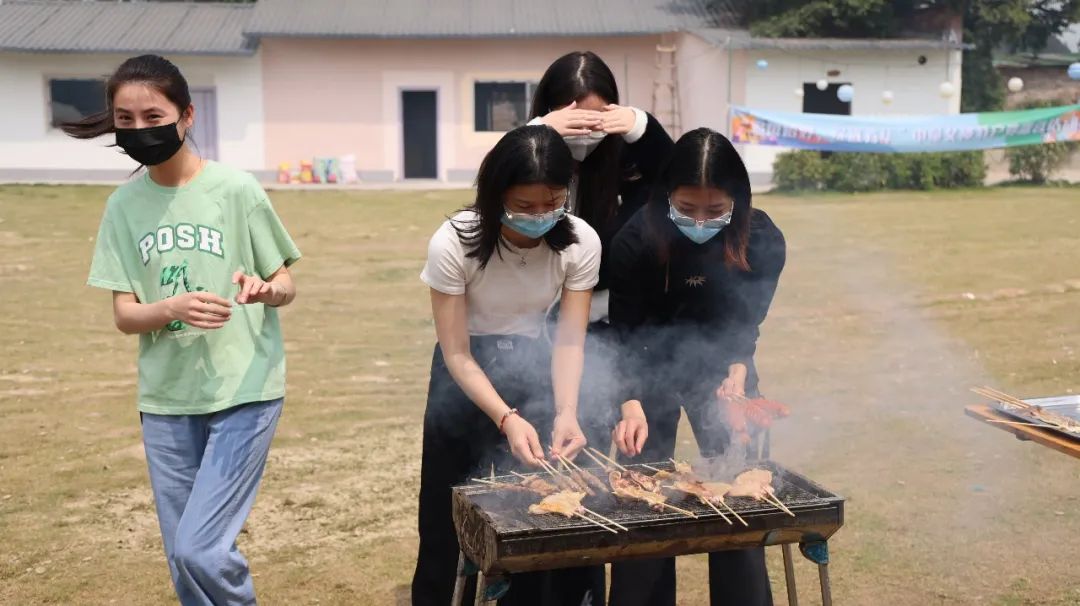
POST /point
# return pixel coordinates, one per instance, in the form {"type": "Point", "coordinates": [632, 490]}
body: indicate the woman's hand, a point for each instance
{"type": "Point", "coordinates": [571, 121]}
{"type": "Point", "coordinates": [524, 441]}
{"type": "Point", "coordinates": [254, 289]}
{"type": "Point", "coordinates": [734, 386]}
{"type": "Point", "coordinates": [566, 436]}
{"type": "Point", "coordinates": [632, 431]}
{"type": "Point", "coordinates": [199, 309]}
{"type": "Point", "coordinates": [617, 119]}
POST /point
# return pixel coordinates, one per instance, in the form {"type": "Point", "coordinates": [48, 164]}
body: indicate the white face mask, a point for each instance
{"type": "Point", "coordinates": [583, 145]}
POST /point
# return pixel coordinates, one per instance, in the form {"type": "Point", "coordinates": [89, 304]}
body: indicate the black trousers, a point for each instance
{"type": "Point", "coordinates": [460, 442]}
{"type": "Point", "coordinates": [736, 578]}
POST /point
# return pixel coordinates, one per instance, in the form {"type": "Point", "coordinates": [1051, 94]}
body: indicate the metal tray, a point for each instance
{"type": "Point", "coordinates": [1066, 406]}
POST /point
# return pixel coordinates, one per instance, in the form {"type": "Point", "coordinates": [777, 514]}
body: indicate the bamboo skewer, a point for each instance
{"type": "Point", "coordinates": [606, 519]}
{"type": "Point", "coordinates": [608, 459]}
{"type": "Point", "coordinates": [592, 521]}
{"type": "Point", "coordinates": [490, 482]}
{"type": "Point", "coordinates": [651, 468]}
{"type": "Point", "coordinates": [715, 508]}
{"type": "Point", "coordinates": [602, 465]}
{"type": "Point", "coordinates": [1003, 422]}
{"type": "Point", "coordinates": [679, 509]}
{"type": "Point", "coordinates": [733, 512]}
{"type": "Point", "coordinates": [775, 501]}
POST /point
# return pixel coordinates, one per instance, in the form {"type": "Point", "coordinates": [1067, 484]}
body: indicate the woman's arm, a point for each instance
{"type": "Point", "coordinates": [567, 361]}
{"type": "Point", "coordinates": [451, 329]}
{"type": "Point", "coordinates": [199, 309]}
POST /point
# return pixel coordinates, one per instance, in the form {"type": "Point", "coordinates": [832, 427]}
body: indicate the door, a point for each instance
{"type": "Point", "coordinates": [204, 132]}
{"type": "Point", "coordinates": [419, 142]}
{"type": "Point", "coordinates": [824, 101]}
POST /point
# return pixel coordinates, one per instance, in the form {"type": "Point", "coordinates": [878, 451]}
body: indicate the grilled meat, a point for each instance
{"type": "Point", "coordinates": [625, 487]}
{"type": "Point", "coordinates": [565, 503]}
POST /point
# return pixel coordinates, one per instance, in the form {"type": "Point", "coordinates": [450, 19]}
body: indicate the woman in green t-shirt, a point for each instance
{"type": "Point", "coordinates": [177, 246]}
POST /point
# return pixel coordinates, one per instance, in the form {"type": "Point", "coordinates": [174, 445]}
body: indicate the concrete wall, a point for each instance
{"type": "Point", "coordinates": [337, 97]}
{"type": "Point", "coordinates": [30, 147]}
{"type": "Point", "coordinates": [704, 74]}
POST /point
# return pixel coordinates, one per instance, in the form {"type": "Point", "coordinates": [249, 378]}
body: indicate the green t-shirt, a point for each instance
{"type": "Point", "coordinates": [157, 242]}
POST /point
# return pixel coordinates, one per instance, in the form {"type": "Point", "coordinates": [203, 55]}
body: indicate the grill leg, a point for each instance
{"type": "Point", "coordinates": [818, 552]}
{"type": "Point", "coordinates": [459, 582]}
{"type": "Point", "coordinates": [789, 576]}
{"type": "Point", "coordinates": [826, 589]}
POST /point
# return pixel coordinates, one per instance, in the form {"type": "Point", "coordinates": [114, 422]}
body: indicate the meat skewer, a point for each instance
{"type": "Point", "coordinates": [566, 503]}
{"type": "Point", "coordinates": [507, 486]}
{"type": "Point", "coordinates": [628, 489]}
{"type": "Point", "coordinates": [757, 483]}
{"type": "Point", "coordinates": [560, 481]}
{"type": "Point", "coordinates": [578, 478]}
{"type": "Point", "coordinates": [589, 478]}
{"type": "Point", "coordinates": [537, 485]}
{"type": "Point", "coordinates": [698, 490]}
{"type": "Point", "coordinates": [720, 489]}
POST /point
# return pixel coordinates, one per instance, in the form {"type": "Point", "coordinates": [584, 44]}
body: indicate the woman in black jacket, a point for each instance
{"type": "Point", "coordinates": [619, 151]}
{"type": "Point", "coordinates": [692, 276]}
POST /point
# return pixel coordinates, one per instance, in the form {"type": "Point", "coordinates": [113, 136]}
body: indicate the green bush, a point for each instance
{"type": "Point", "coordinates": [799, 170]}
{"type": "Point", "coordinates": [1035, 163]}
{"type": "Point", "coordinates": [850, 172]}
{"type": "Point", "coordinates": [856, 172]}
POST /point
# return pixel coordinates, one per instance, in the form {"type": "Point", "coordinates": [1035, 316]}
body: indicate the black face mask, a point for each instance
{"type": "Point", "coordinates": [150, 146]}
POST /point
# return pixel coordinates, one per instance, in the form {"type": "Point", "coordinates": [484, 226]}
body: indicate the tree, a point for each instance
{"type": "Point", "coordinates": [988, 24]}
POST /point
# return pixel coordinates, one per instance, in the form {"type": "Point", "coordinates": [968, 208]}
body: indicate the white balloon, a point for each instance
{"type": "Point", "coordinates": [946, 89]}
{"type": "Point", "coordinates": [799, 92]}
{"type": "Point", "coordinates": [822, 84]}
{"type": "Point", "coordinates": [845, 93]}
{"type": "Point", "coordinates": [1074, 70]}
{"type": "Point", "coordinates": [1015, 84]}
{"type": "Point", "coordinates": [887, 97]}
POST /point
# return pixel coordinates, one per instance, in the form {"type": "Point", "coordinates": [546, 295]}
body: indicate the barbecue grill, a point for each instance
{"type": "Point", "coordinates": [498, 536]}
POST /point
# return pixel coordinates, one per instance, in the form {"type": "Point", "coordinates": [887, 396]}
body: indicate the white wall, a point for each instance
{"type": "Point", "coordinates": [914, 86]}
{"type": "Point", "coordinates": [27, 141]}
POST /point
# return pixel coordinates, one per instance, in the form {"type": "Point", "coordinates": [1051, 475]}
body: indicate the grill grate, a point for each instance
{"type": "Point", "coordinates": [507, 511]}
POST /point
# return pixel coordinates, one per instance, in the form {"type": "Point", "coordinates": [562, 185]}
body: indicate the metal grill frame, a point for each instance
{"type": "Point", "coordinates": [514, 541]}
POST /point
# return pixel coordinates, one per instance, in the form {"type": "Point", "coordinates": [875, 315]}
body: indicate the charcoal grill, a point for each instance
{"type": "Point", "coordinates": [499, 537]}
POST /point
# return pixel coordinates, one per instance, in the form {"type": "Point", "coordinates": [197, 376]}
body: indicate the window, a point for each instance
{"type": "Point", "coordinates": [74, 99]}
{"type": "Point", "coordinates": [502, 106]}
{"type": "Point", "coordinates": [824, 101]}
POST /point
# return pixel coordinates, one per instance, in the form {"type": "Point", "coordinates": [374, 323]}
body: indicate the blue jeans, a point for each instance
{"type": "Point", "coordinates": [204, 472]}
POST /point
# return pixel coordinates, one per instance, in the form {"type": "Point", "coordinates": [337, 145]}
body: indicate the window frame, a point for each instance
{"type": "Point", "coordinates": [48, 79]}
{"type": "Point", "coordinates": [530, 89]}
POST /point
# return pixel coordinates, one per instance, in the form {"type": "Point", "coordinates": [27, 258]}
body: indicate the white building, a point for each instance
{"type": "Point", "coordinates": [280, 81]}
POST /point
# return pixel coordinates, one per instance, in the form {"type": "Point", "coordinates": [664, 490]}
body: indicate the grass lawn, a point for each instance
{"type": "Point", "coordinates": [891, 307]}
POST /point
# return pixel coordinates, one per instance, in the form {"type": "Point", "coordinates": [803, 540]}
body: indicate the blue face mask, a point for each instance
{"type": "Point", "coordinates": [699, 232]}
{"type": "Point", "coordinates": [533, 226]}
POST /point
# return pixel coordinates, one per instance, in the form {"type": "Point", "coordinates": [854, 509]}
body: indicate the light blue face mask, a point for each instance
{"type": "Point", "coordinates": [699, 232]}
{"type": "Point", "coordinates": [533, 226]}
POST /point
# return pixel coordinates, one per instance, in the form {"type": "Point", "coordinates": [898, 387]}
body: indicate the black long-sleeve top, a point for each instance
{"type": "Point", "coordinates": [641, 163]}
{"type": "Point", "coordinates": [683, 321]}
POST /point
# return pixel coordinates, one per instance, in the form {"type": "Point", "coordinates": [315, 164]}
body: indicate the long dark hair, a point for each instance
{"type": "Point", "coordinates": [153, 70]}
{"type": "Point", "coordinates": [570, 78]}
{"type": "Point", "coordinates": [705, 158]}
{"type": "Point", "coordinates": [524, 156]}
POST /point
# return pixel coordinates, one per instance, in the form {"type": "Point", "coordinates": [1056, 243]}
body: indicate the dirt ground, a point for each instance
{"type": "Point", "coordinates": [891, 307]}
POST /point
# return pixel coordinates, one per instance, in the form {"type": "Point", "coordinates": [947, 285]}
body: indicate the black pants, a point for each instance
{"type": "Point", "coordinates": [736, 578]}
{"type": "Point", "coordinates": [460, 442]}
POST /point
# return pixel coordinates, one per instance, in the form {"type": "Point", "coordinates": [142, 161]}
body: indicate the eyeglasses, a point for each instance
{"type": "Point", "coordinates": [557, 213]}
{"type": "Point", "coordinates": [680, 219]}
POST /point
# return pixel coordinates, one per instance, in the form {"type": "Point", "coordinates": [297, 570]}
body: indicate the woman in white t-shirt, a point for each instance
{"type": "Point", "coordinates": [499, 391]}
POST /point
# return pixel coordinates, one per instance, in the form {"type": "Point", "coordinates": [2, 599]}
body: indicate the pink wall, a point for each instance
{"type": "Point", "coordinates": [334, 97]}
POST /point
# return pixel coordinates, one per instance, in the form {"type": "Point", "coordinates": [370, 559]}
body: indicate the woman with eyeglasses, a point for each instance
{"type": "Point", "coordinates": [692, 277]}
{"type": "Point", "coordinates": [498, 391]}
